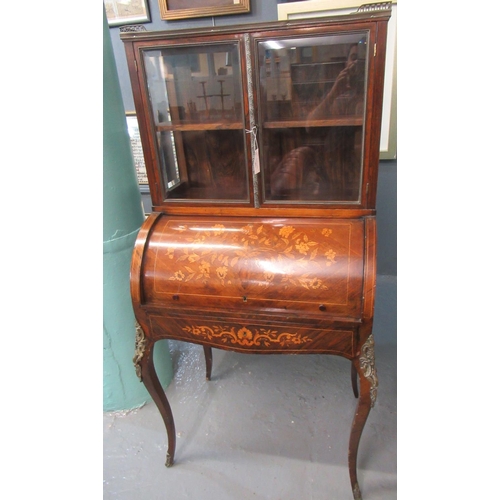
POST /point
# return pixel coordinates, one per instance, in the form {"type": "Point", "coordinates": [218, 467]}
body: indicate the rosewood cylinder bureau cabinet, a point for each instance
{"type": "Point", "coordinates": [261, 144]}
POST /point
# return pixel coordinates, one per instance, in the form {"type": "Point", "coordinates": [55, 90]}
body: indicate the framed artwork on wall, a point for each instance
{"type": "Point", "coordinates": [322, 8]}
{"type": "Point", "coordinates": [120, 12]}
{"type": "Point", "coordinates": [135, 142]}
{"type": "Point", "coordinates": [184, 9]}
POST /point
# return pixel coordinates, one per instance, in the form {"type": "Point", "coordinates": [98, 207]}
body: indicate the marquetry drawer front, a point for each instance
{"type": "Point", "coordinates": [255, 264]}
{"type": "Point", "coordinates": [254, 337]}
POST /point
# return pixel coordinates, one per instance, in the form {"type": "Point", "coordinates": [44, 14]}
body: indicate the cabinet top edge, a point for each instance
{"type": "Point", "coordinates": [376, 15]}
{"type": "Point", "coordinates": [262, 213]}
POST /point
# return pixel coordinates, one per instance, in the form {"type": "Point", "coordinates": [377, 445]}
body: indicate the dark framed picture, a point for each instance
{"type": "Point", "coordinates": [121, 12]}
{"type": "Point", "coordinates": [184, 9]}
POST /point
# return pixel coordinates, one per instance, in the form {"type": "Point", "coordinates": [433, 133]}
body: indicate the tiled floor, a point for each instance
{"type": "Point", "coordinates": [265, 427]}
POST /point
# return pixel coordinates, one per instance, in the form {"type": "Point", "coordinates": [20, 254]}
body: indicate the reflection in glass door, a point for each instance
{"type": "Point", "coordinates": [312, 105]}
{"type": "Point", "coordinates": [195, 95]}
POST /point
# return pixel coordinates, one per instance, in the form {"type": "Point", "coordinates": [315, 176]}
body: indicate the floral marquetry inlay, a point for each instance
{"type": "Point", "coordinates": [263, 256]}
{"type": "Point", "coordinates": [245, 337]}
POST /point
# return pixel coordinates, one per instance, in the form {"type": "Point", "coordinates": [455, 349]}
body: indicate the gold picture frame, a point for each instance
{"type": "Point", "coordinates": [185, 9]}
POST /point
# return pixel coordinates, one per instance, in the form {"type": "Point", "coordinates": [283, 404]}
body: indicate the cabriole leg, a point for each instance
{"type": "Point", "coordinates": [144, 366]}
{"type": "Point", "coordinates": [354, 380]}
{"type": "Point", "coordinates": [368, 382]}
{"type": "Point", "coordinates": [208, 360]}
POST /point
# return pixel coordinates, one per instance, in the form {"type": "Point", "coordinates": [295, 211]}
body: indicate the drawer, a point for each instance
{"type": "Point", "coordinates": [255, 336]}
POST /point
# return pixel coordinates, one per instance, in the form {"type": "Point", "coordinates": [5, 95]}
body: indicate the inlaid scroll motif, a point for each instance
{"type": "Point", "coordinates": [246, 337]}
{"type": "Point", "coordinates": [367, 364]}
{"type": "Point", "coordinates": [140, 347]}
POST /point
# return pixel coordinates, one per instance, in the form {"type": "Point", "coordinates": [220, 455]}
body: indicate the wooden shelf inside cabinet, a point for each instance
{"type": "Point", "coordinates": [330, 122]}
{"type": "Point", "coordinates": [198, 126]}
{"type": "Point", "coordinates": [262, 237]}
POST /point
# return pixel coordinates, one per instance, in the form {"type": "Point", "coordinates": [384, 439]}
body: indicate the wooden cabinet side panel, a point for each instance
{"type": "Point", "coordinates": [370, 272]}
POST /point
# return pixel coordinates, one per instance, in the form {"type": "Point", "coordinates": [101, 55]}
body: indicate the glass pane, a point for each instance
{"type": "Point", "coordinates": [312, 102]}
{"type": "Point", "coordinates": [196, 100]}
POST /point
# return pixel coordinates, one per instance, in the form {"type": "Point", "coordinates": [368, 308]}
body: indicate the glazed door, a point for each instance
{"type": "Point", "coordinates": [311, 106]}
{"type": "Point", "coordinates": [195, 99]}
